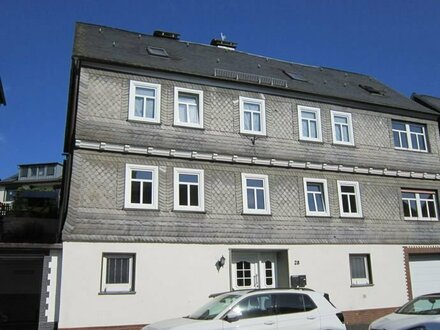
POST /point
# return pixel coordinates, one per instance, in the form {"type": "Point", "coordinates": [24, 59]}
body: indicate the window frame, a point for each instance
{"type": "Point", "coordinates": [347, 115]}
{"type": "Point", "coordinates": [366, 281]}
{"type": "Point", "coordinates": [118, 288]}
{"type": "Point", "coordinates": [154, 186]}
{"type": "Point", "coordinates": [262, 104]}
{"type": "Point", "coordinates": [265, 179]}
{"type": "Point", "coordinates": [201, 190]}
{"type": "Point", "coordinates": [417, 192]}
{"type": "Point", "coordinates": [132, 101]}
{"type": "Point", "coordinates": [357, 194]}
{"type": "Point", "coordinates": [199, 94]}
{"type": "Point", "coordinates": [408, 135]}
{"type": "Point", "coordinates": [317, 111]}
{"type": "Point", "coordinates": [323, 182]}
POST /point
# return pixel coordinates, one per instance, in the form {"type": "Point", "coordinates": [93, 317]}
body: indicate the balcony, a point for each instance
{"type": "Point", "coordinates": [31, 218]}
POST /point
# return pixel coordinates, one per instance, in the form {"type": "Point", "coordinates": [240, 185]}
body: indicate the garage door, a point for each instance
{"type": "Point", "coordinates": [425, 273]}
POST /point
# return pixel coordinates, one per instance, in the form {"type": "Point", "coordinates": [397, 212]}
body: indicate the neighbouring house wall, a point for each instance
{"type": "Point", "coordinates": [172, 280]}
{"type": "Point", "coordinates": [103, 113]}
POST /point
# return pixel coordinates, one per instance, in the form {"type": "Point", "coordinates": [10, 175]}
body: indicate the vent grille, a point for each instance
{"type": "Point", "coordinates": [249, 77]}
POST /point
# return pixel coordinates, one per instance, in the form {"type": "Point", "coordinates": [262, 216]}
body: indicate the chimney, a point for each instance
{"type": "Point", "coordinates": [224, 44]}
{"type": "Point", "coordinates": [166, 34]}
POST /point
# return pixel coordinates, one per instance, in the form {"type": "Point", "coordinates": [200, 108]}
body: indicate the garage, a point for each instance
{"type": "Point", "coordinates": [425, 273]}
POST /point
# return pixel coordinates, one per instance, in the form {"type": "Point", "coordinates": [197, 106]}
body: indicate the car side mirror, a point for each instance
{"type": "Point", "coordinates": [232, 316]}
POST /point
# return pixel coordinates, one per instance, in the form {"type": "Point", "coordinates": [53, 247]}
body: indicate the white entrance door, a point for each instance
{"type": "Point", "coordinates": [253, 270]}
{"type": "Point", "coordinates": [425, 273]}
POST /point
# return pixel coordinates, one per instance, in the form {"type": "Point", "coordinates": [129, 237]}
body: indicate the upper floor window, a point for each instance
{"type": "Point", "coordinates": [23, 172]}
{"type": "Point", "coordinates": [189, 190]}
{"type": "Point", "coordinates": [310, 123]}
{"type": "Point", "coordinates": [419, 205]}
{"type": "Point", "coordinates": [360, 269]}
{"type": "Point", "coordinates": [144, 102]}
{"type": "Point", "coordinates": [50, 170]}
{"type": "Point", "coordinates": [252, 116]}
{"type": "Point", "coordinates": [255, 193]}
{"type": "Point", "coordinates": [188, 107]}
{"type": "Point", "coordinates": [34, 171]}
{"type": "Point", "coordinates": [409, 136]}
{"type": "Point", "coordinates": [141, 186]}
{"type": "Point", "coordinates": [315, 191]}
{"type": "Point", "coordinates": [117, 273]}
{"type": "Point", "coordinates": [349, 199]}
{"type": "Point", "coordinates": [342, 128]}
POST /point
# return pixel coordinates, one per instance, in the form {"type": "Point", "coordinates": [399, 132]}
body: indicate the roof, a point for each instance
{"type": "Point", "coordinates": [427, 100]}
{"type": "Point", "coordinates": [2, 94]}
{"type": "Point", "coordinates": [115, 46]}
{"type": "Point", "coordinates": [40, 164]}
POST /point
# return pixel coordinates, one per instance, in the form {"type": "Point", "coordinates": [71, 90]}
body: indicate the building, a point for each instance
{"type": "Point", "coordinates": [428, 101]}
{"type": "Point", "coordinates": [30, 253]}
{"type": "Point", "coordinates": [195, 169]}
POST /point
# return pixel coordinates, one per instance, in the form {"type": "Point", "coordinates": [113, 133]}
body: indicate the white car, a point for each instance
{"type": "Point", "coordinates": [279, 309]}
{"type": "Point", "coordinates": [422, 313]}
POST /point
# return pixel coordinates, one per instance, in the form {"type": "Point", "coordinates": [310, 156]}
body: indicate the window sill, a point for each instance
{"type": "Point", "coordinates": [201, 128]}
{"type": "Point", "coordinates": [361, 285]}
{"type": "Point", "coordinates": [144, 121]}
{"type": "Point", "coordinates": [128, 208]}
{"type": "Point", "coordinates": [343, 145]}
{"type": "Point", "coordinates": [412, 150]}
{"type": "Point", "coordinates": [318, 216]}
{"type": "Point", "coordinates": [190, 211]}
{"type": "Point", "coordinates": [352, 217]}
{"type": "Point", "coordinates": [422, 220]}
{"type": "Point", "coordinates": [311, 141]}
{"type": "Point", "coordinates": [253, 134]}
{"type": "Point", "coordinates": [117, 293]}
{"type": "Point", "coordinates": [248, 213]}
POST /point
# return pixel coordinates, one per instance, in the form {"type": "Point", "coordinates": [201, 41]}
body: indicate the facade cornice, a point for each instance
{"type": "Point", "coordinates": [239, 159]}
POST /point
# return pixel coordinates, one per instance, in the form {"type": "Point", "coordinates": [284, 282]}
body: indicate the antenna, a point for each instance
{"type": "Point", "coordinates": [222, 36]}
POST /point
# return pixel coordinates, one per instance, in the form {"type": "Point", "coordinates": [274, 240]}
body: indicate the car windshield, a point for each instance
{"type": "Point", "coordinates": [214, 307]}
{"type": "Point", "coordinates": [427, 305]}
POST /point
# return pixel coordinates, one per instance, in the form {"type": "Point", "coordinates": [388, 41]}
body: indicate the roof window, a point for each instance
{"type": "Point", "coordinates": [372, 90]}
{"type": "Point", "coordinates": [156, 51]}
{"type": "Point", "coordinates": [296, 76]}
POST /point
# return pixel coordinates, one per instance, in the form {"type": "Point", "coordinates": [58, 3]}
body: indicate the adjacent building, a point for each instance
{"type": "Point", "coordinates": [30, 252]}
{"type": "Point", "coordinates": [194, 169]}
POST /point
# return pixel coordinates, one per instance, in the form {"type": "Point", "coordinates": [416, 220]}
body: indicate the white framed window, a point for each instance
{"type": "Point", "coordinates": [188, 107]}
{"type": "Point", "coordinates": [252, 116]}
{"type": "Point", "coordinates": [316, 196]}
{"type": "Point", "coordinates": [255, 190]}
{"type": "Point", "coordinates": [349, 199]}
{"type": "Point", "coordinates": [144, 102]}
{"type": "Point", "coordinates": [309, 120]}
{"type": "Point", "coordinates": [117, 272]}
{"type": "Point", "coordinates": [360, 269]}
{"type": "Point", "coordinates": [141, 186]}
{"type": "Point", "coordinates": [409, 136]}
{"type": "Point", "coordinates": [419, 205]}
{"type": "Point", "coordinates": [189, 190]}
{"type": "Point", "coordinates": [342, 128]}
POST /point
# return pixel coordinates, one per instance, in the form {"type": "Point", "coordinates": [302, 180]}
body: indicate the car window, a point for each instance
{"type": "Point", "coordinates": [255, 306]}
{"type": "Point", "coordinates": [422, 305]}
{"type": "Point", "coordinates": [214, 307]}
{"type": "Point", "coordinates": [293, 303]}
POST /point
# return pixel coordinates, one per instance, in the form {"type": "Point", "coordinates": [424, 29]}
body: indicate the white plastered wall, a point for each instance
{"type": "Point", "coordinates": [172, 280]}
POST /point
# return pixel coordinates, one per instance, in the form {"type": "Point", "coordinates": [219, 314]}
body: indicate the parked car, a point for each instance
{"type": "Point", "coordinates": [279, 309]}
{"type": "Point", "coordinates": [422, 313]}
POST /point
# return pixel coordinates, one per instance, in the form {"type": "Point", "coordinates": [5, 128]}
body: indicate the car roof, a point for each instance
{"type": "Point", "coordinates": [275, 290]}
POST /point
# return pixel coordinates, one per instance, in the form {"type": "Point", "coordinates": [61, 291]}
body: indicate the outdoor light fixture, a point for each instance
{"type": "Point", "coordinates": [220, 263]}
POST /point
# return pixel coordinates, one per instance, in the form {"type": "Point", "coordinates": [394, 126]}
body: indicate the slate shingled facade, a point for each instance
{"type": "Point", "coordinates": [174, 253]}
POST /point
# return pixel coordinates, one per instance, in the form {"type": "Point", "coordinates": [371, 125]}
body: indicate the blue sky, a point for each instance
{"type": "Point", "coordinates": [396, 42]}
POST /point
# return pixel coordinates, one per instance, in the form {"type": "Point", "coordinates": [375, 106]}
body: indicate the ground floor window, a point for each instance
{"type": "Point", "coordinates": [360, 268]}
{"type": "Point", "coordinates": [117, 272]}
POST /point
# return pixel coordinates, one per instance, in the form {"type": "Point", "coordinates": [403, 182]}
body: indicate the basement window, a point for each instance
{"type": "Point", "coordinates": [156, 51]}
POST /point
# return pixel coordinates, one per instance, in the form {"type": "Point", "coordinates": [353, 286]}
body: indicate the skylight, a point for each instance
{"type": "Point", "coordinates": [156, 51]}
{"type": "Point", "coordinates": [296, 76]}
{"type": "Point", "coordinates": [372, 90]}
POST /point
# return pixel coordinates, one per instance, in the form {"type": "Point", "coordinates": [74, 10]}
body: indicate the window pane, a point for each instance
{"type": "Point", "coordinates": [141, 91]}
{"type": "Point", "coordinates": [150, 109]}
{"type": "Point", "coordinates": [346, 134]}
{"type": "Point", "coordinates": [147, 197]}
{"type": "Point", "coordinates": [313, 130]}
{"type": "Point", "coordinates": [414, 142]}
{"type": "Point", "coordinates": [338, 133]}
{"type": "Point", "coordinates": [432, 212]}
{"type": "Point", "coordinates": [353, 204]}
{"type": "Point", "coordinates": [305, 128]}
{"type": "Point", "coordinates": [416, 128]}
{"type": "Point", "coordinates": [183, 116]}
{"type": "Point", "coordinates": [193, 114]}
{"type": "Point", "coordinates": [40, 171]}
{"type": "Point", "coordinates": [190, 178]}
{"type": "Point", "coordinates": [320, 203]}
{"type": "Point", "coordinates": [260, 199]}
{"type": "Point", "coordinates": [345, 206]}
{"type": "Point", "coordinates": [424, 207]}
{"type": "Point", "coordinates": [311, 202]}
{"type": "Point", "coordinates": [33, 171]}
{"type": "Point", "coordinates": [194, 195]}
{"type": "Point", "coordinates": [413, 206]}
{"type": "Point", "coordinates": [183, 194]}
{"type": "Point", "coordinates": [135, 192]}
{"type": "Point", "coordinates": [308, 115]}
{"type": "Point", "coordinates": [422, 145]}
{"type": "Point", "coordinates": [404, 139]}
{"type": "Point", "coordinates": [398, 126]}
{"type": "Point", "coordinates": [251, 106]}
{"type": "Point", "coordinates": [187, 98]}
{"type": "Point", "coordinates": [50, 170]}
{"type": "Point", "coordinates": [139, 107]}
{"type": "Point", "coordinates": [142, 175]}
{"type": "Point", "coordinates": [247, 121]}
{"type": "Point", "coordinates": [347, 189]}
{"type": "Point", "coordinates": [254, 183]}
{"type": "Point", "coordinates": [117, 270]}
{"type": "Point", "coordinates": [357, 265]}
{"type": "Point", "coordinates": [408, 195]}
{"type": "Point", "coordinates": [341, 120]}
{"type": "Point", "coordinates": [250, 199]}
{"type": "Point", "coordinates": [256, 123]}
{"type": "Point", "coordinates": [406, 211]}
{"type": "Point", "coordinates": [396, 139]}
{"type": "Point", "coordinates": [24, 172]}
{"type": "Point", "coordinates": [313, 187]}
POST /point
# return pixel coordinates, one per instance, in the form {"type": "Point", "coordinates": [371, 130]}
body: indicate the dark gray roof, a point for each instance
{"type": "Point", "coordinates": [121, 47]}
{"type": "Point", "coordinates": [427, 100]}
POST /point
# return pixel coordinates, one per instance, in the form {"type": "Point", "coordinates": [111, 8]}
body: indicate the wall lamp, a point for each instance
{"type": "Point", "coordinates": [220, 263]}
